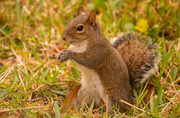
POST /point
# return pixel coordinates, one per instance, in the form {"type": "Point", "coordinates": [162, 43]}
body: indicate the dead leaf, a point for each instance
{"type": "Point", "coordinates": [150, 93]}
{"type": "Point", "coordinates": [3, 114]}
{"type": "Point", "coordinates": [72, 96]}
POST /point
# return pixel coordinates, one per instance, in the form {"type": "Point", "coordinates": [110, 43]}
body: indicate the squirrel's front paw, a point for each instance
{"type": "Point", "coordinates": [64, 55]}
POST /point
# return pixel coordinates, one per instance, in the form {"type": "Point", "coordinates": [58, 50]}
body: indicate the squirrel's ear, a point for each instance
{"type": "Point", "coordinates": [80, 10]}
{"type": "Point", "coordinates": [92, 18]}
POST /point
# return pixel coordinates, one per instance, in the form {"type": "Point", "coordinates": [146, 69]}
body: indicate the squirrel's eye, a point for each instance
{"type": "Point", "coordinates": [80, 28]}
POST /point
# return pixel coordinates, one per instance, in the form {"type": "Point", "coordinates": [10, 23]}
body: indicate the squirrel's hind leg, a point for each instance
{"type": "Point", "coordinates": [116, 97]}
{"type": "Point", "coordinates": [84, 94]}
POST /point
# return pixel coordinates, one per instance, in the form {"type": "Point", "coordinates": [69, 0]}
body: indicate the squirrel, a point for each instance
{"type": "Point", "coordinates": [110, 69]}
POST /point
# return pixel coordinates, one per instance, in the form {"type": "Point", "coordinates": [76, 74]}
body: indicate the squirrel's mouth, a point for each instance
{"type": "Point", "coordinates": [72, 42]}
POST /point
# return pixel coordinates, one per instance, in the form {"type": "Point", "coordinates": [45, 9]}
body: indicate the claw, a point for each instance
{"type": "Point", "coordinates": [63, 55]}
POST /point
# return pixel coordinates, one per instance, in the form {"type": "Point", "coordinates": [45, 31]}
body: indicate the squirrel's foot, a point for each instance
{"type": "Point", "coordinates": [64, 55]}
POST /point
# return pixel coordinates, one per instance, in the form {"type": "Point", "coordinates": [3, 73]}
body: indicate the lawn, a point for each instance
{"type": "Point", "coordinates": [33, 83]}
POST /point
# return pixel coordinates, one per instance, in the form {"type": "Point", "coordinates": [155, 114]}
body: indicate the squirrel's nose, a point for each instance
{"type": "Point", "coordinates": [64, 37]}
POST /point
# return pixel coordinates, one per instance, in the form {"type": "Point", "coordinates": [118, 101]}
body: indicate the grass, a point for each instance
{"type": "Point", "coordinates": [33, 83]}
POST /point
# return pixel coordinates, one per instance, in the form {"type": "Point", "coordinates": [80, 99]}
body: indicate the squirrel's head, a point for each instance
{"type": "Point", "coordinates": [81, 28]}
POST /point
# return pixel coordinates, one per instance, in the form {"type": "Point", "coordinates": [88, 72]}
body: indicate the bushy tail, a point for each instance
{"type": "Point", "coordinates": [140, 55]}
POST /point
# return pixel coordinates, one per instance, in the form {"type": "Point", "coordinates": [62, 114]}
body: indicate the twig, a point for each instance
{"type": "Point", "coordinates": [35, 107]}
{"type": "Point", "coordinates": [175, 81]}
{"type": "Point", "coordinates": [134, 106]}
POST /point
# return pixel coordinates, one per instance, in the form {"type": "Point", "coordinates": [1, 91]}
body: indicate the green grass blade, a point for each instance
{"type": "Point", "coordinates": [67, 108]}
{"type": "Point", "coordinates": [167, 57]}
{"type": "Point", "coordinates": [90, 109]}
{"type": "Point", "coordinates": [156, 112]}
{"type": "Point", "coordinates": [18, 10]}
{"type": "Point", "coordinates": [135, 94]}
{"type": "Point", "coordinates": [30, 113]}
{"type": "Point", "coordinates": [146, 106]}
{"type": "Point", "coordinates": [24, 72]}
{"type": "Point", "coordinates": [120, 115]}
{"type": "Point", "coordinates": [177, 29]}
{"type": "Point", "coordinates": [59, 92]}
{"type": "Point", "coordinates": [4, 92]}
{"type": "Point", "coordinates": [57, 110]}
{"type": "Point", "coordinates": [168, 104]}
{"type": "Point", "coordinates": [44, 74]}
{"type": "Point", "coordinates": [102, 111]}
{"type": "Point", "coordinates": [160, 94]}
{"type": "Point", "coordinates": [49, 116]}
{"type": "Point", "coordinates": [140, 98]}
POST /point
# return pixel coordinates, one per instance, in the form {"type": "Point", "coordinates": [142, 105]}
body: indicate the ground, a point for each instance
{"type": "Point", "coordinates": [33, 83]}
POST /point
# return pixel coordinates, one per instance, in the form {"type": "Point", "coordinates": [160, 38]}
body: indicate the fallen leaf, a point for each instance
{"type": "Point", "coordinates": [72, 97]}
{"type": "Point", "coordinates": [3, 114]}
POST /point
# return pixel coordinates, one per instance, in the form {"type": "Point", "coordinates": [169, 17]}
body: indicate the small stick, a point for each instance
{"type": "Point", "coordinates": [35, 107]}
{"type": "Point", "coordinates": [134, 106]}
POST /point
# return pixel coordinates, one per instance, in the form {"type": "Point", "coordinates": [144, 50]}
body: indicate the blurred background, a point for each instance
{"type": "Point", "coordinates": [33, 82]}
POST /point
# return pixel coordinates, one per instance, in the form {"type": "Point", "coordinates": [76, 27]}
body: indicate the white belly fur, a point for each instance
{"type": "Point", "coordinates": [91, 83]}
{"type": "Point", "coordinates": [90, 79]}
